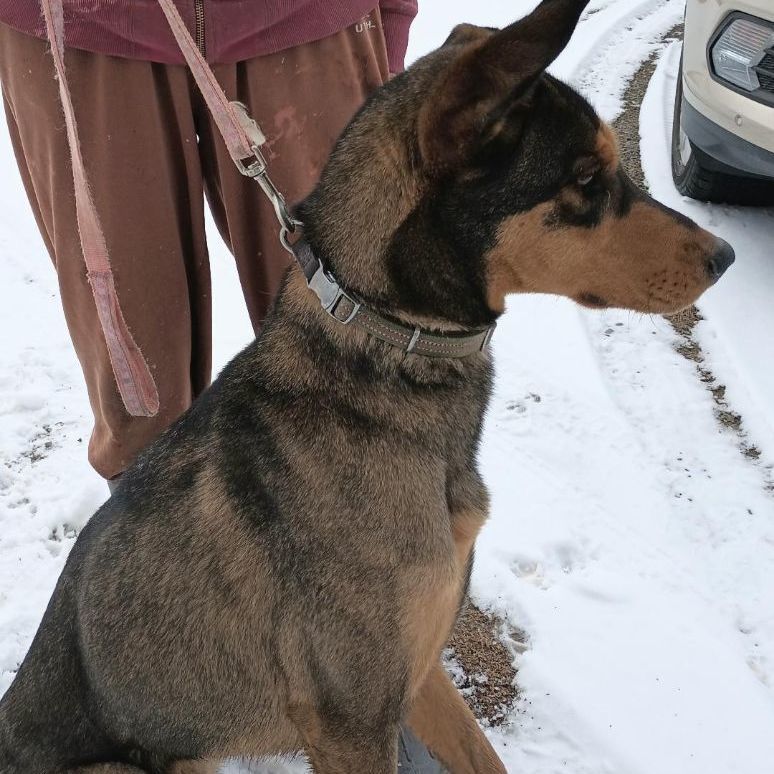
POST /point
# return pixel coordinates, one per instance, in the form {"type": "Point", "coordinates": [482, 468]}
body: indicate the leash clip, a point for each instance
{"type": "Point", "coordinates": [331, 295]}
{"type": "Point", "coordinates": [258, 170]}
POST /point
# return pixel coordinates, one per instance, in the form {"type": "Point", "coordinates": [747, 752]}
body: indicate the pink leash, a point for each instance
{"type": "Point", "coordinates": [133, 377]}
{"type": "Point", "coordinates": [243, 138]}
{"type": "Point", "coordinates": [229, 116]}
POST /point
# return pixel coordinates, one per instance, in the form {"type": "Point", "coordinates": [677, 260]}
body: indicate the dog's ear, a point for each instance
{"type": "Point", "coordinates": [490, 78]}
{"type": "Point", "coordinates": [468, 33]}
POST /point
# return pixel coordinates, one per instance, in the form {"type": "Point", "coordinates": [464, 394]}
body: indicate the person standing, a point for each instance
{"type": "Point", "coordinates": [152, 153]}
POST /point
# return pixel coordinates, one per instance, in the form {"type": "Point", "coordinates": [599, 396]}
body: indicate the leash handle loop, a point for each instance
{"type": "Point", "coordinates": [133, 377]}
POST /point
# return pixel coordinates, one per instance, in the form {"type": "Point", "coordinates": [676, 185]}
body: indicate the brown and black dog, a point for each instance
{"type": "Point", "coordinates": [282, 568]}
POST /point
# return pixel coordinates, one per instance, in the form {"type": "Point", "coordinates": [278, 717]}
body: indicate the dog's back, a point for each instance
{"type": "Point", "coordinates": [150, 649]}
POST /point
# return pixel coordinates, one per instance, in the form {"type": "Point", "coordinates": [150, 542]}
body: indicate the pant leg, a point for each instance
{"type": "Point", "coordinates": [302, 98]}
{"type": "Point", "coordinates": [139, 143]}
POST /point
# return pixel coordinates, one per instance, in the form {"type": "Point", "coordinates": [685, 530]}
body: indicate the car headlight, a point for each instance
{"type": "Point", "coordinates": [741, 49]}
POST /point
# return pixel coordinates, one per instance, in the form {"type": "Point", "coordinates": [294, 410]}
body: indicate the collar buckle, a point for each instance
{"type": "Point", "coordinates": [333, 298]}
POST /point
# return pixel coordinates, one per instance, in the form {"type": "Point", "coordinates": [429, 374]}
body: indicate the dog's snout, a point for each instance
{"type": "Point", "coordinates": [720, 260]}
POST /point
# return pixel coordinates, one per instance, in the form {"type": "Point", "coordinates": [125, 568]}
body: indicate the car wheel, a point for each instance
{"type": "Point", "coordinates": [694, 178]}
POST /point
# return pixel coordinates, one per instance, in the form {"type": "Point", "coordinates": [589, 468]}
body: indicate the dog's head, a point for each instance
{"type": "Point", "coordinates": [475, 174]}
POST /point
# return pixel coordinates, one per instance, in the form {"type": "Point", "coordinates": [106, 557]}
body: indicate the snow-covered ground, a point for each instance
{"type": "Point", "coordinates": [630, 539]}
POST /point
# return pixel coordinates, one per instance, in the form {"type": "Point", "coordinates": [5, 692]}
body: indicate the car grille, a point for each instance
{"type": "Point", "coordinates": [765, 71]}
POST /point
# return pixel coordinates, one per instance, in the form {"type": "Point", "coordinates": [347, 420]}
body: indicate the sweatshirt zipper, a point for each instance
{"type": "Point", "coordinates": [199, 16]}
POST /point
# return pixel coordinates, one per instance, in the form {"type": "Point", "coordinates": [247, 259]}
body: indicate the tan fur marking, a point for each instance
{"type": "Point", "coordinates": [647, 261]}
{"type": "Point", "coordinates": [430, 613]}
{"type": "Point", "coordinates": [442, 720]}
{"type": "Point", "coordinates": [465, 529]}
{"type": "Point", "coordinates": [607, 148]}
{"type": "Point", "coordinates": [434, 601]}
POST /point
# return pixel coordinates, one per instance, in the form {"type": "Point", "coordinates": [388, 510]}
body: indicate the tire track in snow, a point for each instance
{"type": "Point", "coordinates": [649, 26]}
{"type": "Point", "coordinates": [745, 525]}
{"type": "Point", "coordinates": [627, 125]}
{"type": "Point", "coordinates": [698, 541]}
{"type": "Point", "coordinates": [611, 44]}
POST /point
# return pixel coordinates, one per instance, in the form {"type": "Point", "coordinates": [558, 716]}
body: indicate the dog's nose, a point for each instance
{"type": "Point", "coordinates": [720, 260]}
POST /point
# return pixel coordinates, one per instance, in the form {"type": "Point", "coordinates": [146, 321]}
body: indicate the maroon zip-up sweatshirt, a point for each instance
{"type": "Point", "coordinates": [226, 30]}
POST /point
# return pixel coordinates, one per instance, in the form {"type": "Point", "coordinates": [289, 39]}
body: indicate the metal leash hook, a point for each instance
{"type": "Point", "coordinates": [258, 170]}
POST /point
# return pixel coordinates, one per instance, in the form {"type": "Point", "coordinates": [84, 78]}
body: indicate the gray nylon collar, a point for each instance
{"type": "Point", "coordinates": [348, 310]}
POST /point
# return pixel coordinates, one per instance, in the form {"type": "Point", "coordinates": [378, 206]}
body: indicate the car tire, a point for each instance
{"type": "Point", "coordinates": [694, 178]}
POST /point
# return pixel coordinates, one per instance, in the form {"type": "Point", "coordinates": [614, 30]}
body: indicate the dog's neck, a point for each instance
{"type": "Point", "coordinates": [401, 266]}
{"type": "Point", "coordinates": [350, 222]}
{"type": "Point", "coordinates": [372, 223]}
{"type": "Point", "coordinates": [298, 324]}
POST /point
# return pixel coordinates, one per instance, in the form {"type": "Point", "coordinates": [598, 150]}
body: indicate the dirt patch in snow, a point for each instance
{"type": "Point", "coordinates": [685, 322]}
{"type": "Point", "coordinates": [481, 665]}
{"type": "Point", "coordinates": [628, 123]}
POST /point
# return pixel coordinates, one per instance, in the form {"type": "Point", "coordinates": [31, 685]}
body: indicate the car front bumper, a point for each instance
{"type": "Point", "coordinates": [722, 122]}
{"type": "Point", "coordinates": [723, 150]}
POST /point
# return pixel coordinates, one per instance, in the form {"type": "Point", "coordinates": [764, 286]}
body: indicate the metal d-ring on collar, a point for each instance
{"type": "Point", "coordinates": [340, 305]}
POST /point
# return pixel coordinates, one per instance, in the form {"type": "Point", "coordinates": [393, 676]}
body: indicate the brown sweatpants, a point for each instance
{"type": "Point", "coordinates": [152, 152]}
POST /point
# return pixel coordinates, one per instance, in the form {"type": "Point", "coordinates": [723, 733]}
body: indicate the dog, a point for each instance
{"type": "Point", "coordinates": [281, 569]}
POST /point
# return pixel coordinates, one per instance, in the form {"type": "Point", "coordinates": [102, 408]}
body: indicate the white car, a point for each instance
{"type": "Point", "coordinates": [723, 133]}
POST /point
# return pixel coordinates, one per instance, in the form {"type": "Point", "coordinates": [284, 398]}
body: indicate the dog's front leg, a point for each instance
{"type": "Point", "coordinates": [439, 715]}
{"type": "Point", "coordinates": [336, 748]}
{"type": "Point", "coordinates": [442, 720]}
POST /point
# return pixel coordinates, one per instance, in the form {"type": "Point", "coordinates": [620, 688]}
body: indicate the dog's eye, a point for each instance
{"type": "Point", "coordinates": [586, 178]}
